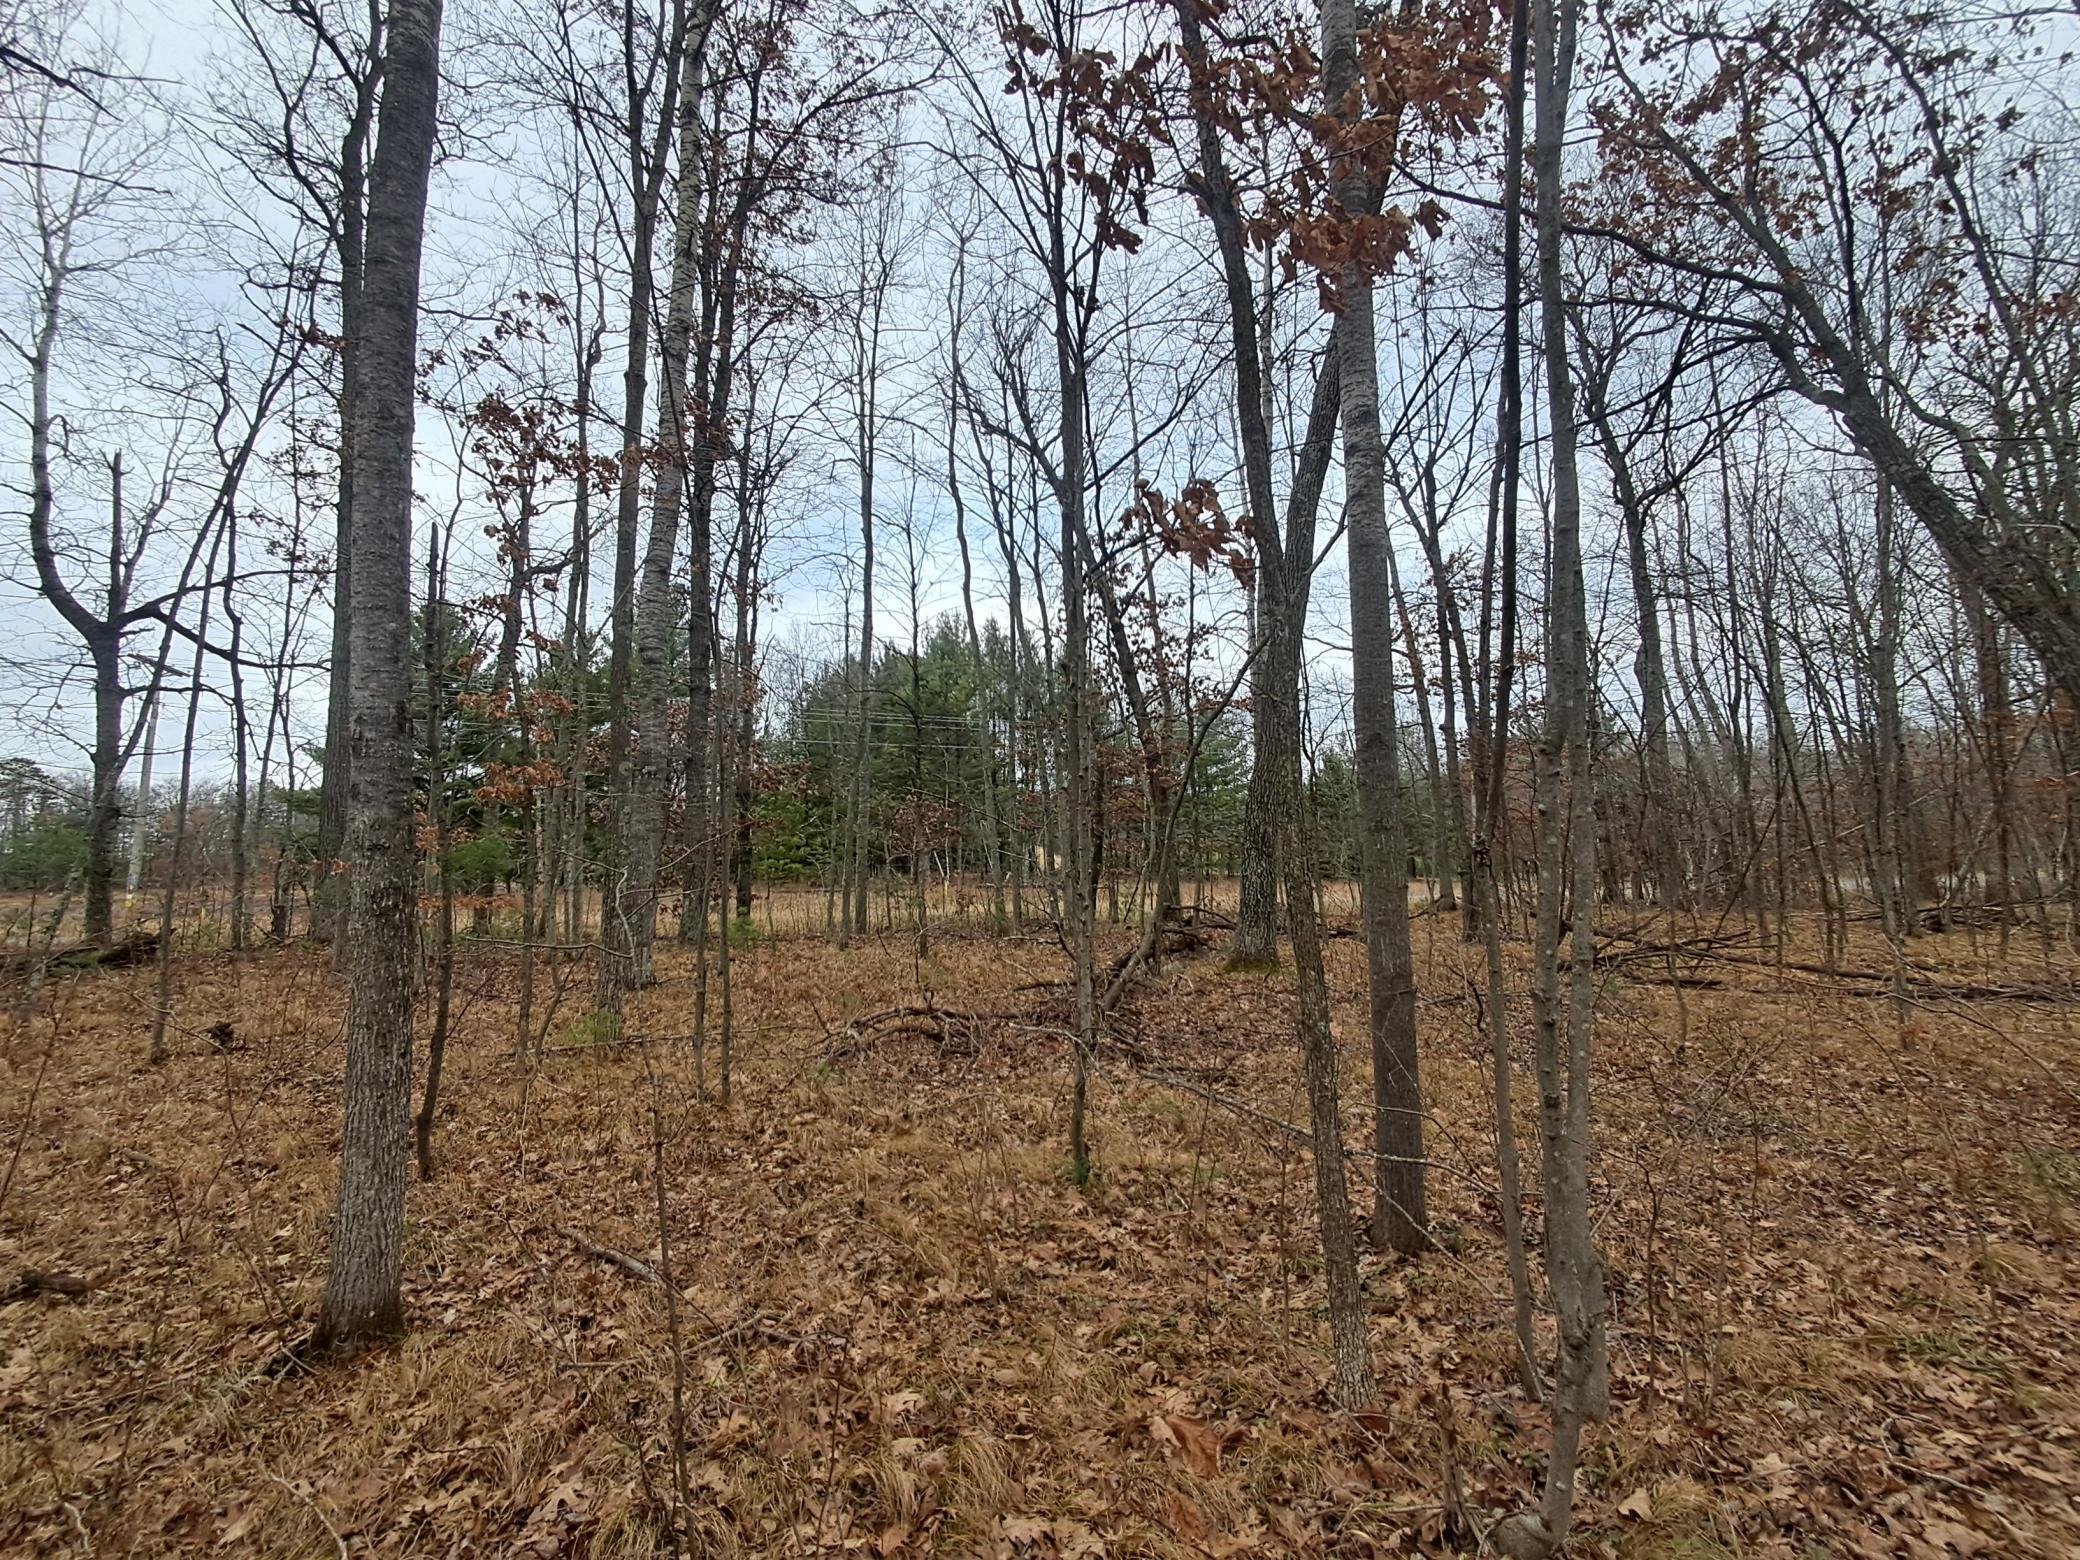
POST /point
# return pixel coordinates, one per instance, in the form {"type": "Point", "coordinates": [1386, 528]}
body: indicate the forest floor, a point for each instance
{"type": "Point", "coordinates": [1840, 1236]}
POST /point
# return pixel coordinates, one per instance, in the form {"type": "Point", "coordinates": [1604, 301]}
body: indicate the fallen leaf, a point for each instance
{"type": "Point", "coordinates": [1186, 1520]}
{"type": "Point", "coordinates": [1025, 1530]}
{"type": "Point", "coordinates": [1196, 1442]}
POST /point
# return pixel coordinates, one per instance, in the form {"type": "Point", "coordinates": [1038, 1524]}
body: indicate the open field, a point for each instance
{"type": "Point", "coordinates": [1840, 1234]}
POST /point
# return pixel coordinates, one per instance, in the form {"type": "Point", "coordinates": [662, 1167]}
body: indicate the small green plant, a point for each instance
{"type": "Point", "coordinates": [1956, 1351]}
{"type": "Point", "coordinates": [598, 1027]}
{"type": "Point", "coordinates": [2052, 1174]}
{"type": "Point", "coordinates": [743, 932]}
{"type": "Point", "coordinates": [1169, 1111]}
{"type": "Point", "coordinates": [1084, 1175]}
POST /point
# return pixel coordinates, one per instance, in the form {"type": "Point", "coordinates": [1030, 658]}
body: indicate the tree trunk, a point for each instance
{"type": "Point", "coordinates": [656, 601]}
{"type": "Point", "coordinates": [1255, 943]}
{"type": "Point", "coordinates": [349, 243]}
{"type": "Point", "coordinates": [105, 801]}
{"type": "Point", "coordinates": [363, 1298]}
{"type": "Point", "coordinates": [438, 809]}
{"type": "Point", "coordinates": [1650, 669]}
{"type": "Point", "coordinates": [1398, 1215]}
{"type": "Point", "coordinates": [1078, 779]}
{"type": "Point", "coordinates": [169, 900]}
{"type": "Point", "coordinates": [854, 919]}
{"type": "Point", "coordinates": [1562, 1023]}
{"type": "Point", "coordinates": [241, 744]}
{"type": "Point", "coordinates": [141, 807]}
{"type": "Point", "coordinates": [628, 903]}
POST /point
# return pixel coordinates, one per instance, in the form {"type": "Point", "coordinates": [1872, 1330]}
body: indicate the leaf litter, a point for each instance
{"type": "Point", "coordinates": [1840, 1247]}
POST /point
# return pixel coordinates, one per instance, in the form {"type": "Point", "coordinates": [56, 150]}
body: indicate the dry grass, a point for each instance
{"type": "Point", "coordinates": [1840, 1248]}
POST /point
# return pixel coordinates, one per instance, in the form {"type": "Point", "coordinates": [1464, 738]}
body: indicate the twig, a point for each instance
{"type": "Point", "coordinates": [316, 1510]}
{"type": "Point", "coordinates": [79, 1526]}
{"type": "Point", "coordinates": [21, 1138]}
{"type": "Point", "coordinates": [620, 1259]}
{"type": "Point", "coordinates": [680, 1487]}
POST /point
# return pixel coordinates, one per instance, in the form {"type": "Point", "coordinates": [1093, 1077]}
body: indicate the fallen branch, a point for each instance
{"type": "Point", "coordinates": [619, 1259]}
{"type": "Point", "coordinates": [1918, 979]}
{"type": "Point", "coordinates": [37, 1281]}
{"type": "Point", "coordinates": [593, 1045]}
{"type": "Point", "coordinates": [926, 1019]}
{"type": "Point", "coordinates": [137, 948]}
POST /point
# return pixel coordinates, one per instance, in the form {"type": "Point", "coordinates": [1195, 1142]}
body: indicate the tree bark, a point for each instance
{"type": "Point", "coordinates": [349, 241]}
{"type": "Point", "coordinates": [678, 423]}
{"type": "Point", "coordinates": [363, 1286]}
{"type": "Point", "coordinates": [1562, 1020]}
{"type": "Point", "coordinates": [1398, 1214]}
{"type": "Point", "coordinates": [621, 895]}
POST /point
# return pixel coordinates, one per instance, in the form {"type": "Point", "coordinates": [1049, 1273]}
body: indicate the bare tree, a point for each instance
{"type": "Point", "coordinates": [301, 124]}
{"type": "Point", "coordinates": [363, 1299]}
{"type": "Point", "coordinates": [652, 55]}
{"type": "Point", "coordinates": [1398, 1217]}
{"type": "Point", "coordinates": [1563, 1007]}
{"type": "Point", "coordinates": [1931, 174]}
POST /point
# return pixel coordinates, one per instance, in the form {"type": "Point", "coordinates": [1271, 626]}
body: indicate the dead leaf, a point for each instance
{"type": "Point", "coordinates": [1186, 1520]}
{"type": "Point", "coordinates": [1024, 1530]}
{"type": "Point", "coordinates": [1196, 1442]}
{"type": "Point", "coordinates": [1638, 1504]}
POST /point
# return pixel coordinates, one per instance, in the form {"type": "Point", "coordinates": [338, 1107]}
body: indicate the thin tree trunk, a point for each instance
{"type": "Point", "coordinates": [1650, 670]}
{"type": "Point", "coordinates": [628, 903]}
{"type": "Point", "coordinates": [241, 741]}
{"type": "Point", "coordinates": [329, 900]}
{"type": "Point", "coordinates": [868, 358]}
{"type": "Point", "coordinates": [1567, 857]}
{"type": "Point", "coordinates": [437, 807]}
{"type": "Point", "coordinates": [1398, 1213]}
{"type": "Point", "coordinates": [169, 900]}
{"type": "Point", "coordinates": [141, 815]}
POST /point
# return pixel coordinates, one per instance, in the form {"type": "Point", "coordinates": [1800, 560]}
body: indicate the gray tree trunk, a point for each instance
{"type": "Point", "coordinates": [620, 900]}
{"type": "Point", "coordinates": [867, 348]}
{"type": "Point", "coordinates": [349, 240]}
{"type": "Point", "coordinates": [1562, 1017]}
{"type": "Point", "coordinates": [1398, 1216]}
{"type": "Point", "coordinates": [656, 602]}
{"type": "Point", "coordinates": [363, 1298]}
{"type": "Point", "coordinates": [1277, 829]}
